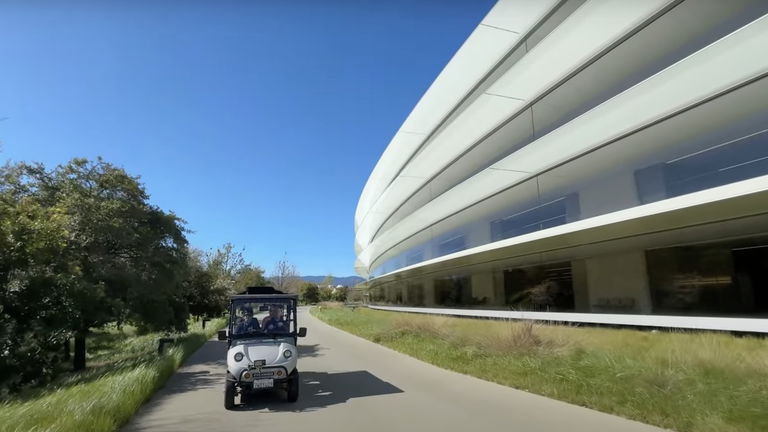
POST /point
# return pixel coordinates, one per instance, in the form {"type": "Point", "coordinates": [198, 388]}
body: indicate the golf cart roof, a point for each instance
{"type": "Point", "coordinates": [263, 296]}
{"type": "Point", "coordinates": [262, 292]}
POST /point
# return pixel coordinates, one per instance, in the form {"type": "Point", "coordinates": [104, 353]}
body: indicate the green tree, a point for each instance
{"type": "Point", "coordinates": [203, 296]}
{"type": "Point", "coordinates": [340, 294]}
{"type": "Point", "coordinates": [310, 293]}
{"type": "Point", "coordinates": [224, 264]}
{"type": "Point", "coordinates": [214, 276]}
{"type": "Point", "coordinates": [326, 294]}
{"type": "Point", "coordinates": [118, 258]}
{"type": "Point", "coordinates": [248, 276]}
{"type": "Point", "coordinates": [33, 282]}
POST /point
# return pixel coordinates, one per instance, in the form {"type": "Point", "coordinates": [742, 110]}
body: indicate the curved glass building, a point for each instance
{"type": "Point", "coordinates": [593, 159]}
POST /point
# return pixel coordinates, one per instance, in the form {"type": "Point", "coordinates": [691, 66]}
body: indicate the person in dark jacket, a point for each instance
{"type": "Point", "coordinates": [275, 322]}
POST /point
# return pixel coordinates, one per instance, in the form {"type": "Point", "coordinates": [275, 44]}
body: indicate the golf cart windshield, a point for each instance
{"type": "Point", "coordinates": [262, 317]}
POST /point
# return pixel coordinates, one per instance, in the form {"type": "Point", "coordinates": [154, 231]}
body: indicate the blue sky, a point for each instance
{"type": "Point", "coordinates": [256, 121]}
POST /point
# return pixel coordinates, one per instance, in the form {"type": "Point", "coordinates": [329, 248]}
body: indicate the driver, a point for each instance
{"type": "Point", "coordinates": [249, 323]}
{"type": "Point", "coordinates": [275, 322]}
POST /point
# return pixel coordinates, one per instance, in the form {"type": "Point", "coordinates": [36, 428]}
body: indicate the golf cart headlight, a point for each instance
{"type": "Point", "coordinates": [287, 354]}
{"type": "Point", "coordinates": [238, 356]}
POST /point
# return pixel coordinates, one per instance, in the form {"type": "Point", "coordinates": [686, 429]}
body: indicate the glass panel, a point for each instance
{"type": "Point", "coordinates": [451, 244]}
{"type": "Point", "coordinates": [453, 291]}
{"type": "Point", "coordinates": [730, 162]}
{"type": "Point", "coordinates": [540, 288]}
{"type": "Point", "coordinates": [720, 279]}
{"type": "Point", "coordinates": [254, 318]}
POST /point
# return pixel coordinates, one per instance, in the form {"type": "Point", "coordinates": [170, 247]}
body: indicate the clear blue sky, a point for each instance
{"type": "Point", "coordinates": [256, 121]}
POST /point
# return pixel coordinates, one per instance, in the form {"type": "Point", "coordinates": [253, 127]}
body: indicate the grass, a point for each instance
{"type": "Point", "coordinates": [685, 381]}
{"type": "Point", "coordinates": [124, 370]}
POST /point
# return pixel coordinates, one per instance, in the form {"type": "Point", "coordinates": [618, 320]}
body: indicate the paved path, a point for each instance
{"type": "Point", "coordinates": [350, 384]}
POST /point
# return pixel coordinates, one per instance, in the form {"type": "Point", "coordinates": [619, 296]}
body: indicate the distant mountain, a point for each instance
{"type": "Point", "coordinates": [349, 281]}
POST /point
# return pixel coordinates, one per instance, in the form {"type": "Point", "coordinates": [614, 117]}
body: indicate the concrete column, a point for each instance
{"type": "Point", "coordinates": [580, 286]}
{"type": "Point", "coordinates": [498, 289]}
{"type": "Point", "coordinates": [618, 283]}
{"type": "Point", "coordinates": [429, 292]}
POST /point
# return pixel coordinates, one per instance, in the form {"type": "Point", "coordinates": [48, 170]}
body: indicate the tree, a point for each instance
{"type": "Point", "coordinates": [327, 281]}
{"type": "Point", "coordinates": [248, 276]}
{"type": "Point", "coordinates": [326, 294]}
{"type": "Point", "coordinates": [310, 293]}
{"type": "Point", "coordinates": [107, 254]}
{"type": "Point", "coordinates": [203, 296]}
{"type": "Point", "coordinates": [340, 294]}
{"type": "Point", "coordinates": [33, 282]}
{"type": "Point", "coordinates": [285, 277]}
{"type": "Point", "coordinates": [224, 264]}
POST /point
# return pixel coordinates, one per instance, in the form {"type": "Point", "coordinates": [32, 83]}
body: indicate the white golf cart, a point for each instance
{"type": "Point", "coordinates": [262, 336]}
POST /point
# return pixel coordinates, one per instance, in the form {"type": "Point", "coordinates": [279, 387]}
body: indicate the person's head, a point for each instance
{"type": "Point", "coordinates": [246, 311]}
{"type": "Point", "coordinates": [275, 311]}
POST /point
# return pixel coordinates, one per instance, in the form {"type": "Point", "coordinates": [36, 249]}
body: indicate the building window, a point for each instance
{"type": "Point", "coordinates": [545, 216]}
{"type": "Point", "coordinates": [729, 162]}
{"type": "Point", "coordinates": [415, 294]}
{"type": "Point", "coordinates": [540, 288]}
{"type": "Point", "coordinates": [453, 291]}
{"type": "Point", "coordinates": [414, 257]}
{"type": "Point", "coordinates": [719, 279]}
{"type": "Point", "coordinates": [722, 164]}
{"type": "Point", "coordinates": [452, 244]}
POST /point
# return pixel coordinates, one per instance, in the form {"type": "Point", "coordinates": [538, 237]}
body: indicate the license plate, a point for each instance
{"type": "Point", "coordinates": [263, 383]}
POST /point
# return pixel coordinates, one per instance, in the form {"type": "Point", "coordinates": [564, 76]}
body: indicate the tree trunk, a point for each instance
{"type": "Point", "coordinates": [67, 350]}
{"type": "Point", "coordinates": [79, 361]}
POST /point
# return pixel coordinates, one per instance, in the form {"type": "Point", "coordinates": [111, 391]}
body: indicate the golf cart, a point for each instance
{"type": "Point", "coordinates": [262, 335]}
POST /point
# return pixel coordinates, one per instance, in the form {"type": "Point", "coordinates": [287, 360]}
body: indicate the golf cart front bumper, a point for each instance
{"type": "Point", "coordinates": [277, 373]}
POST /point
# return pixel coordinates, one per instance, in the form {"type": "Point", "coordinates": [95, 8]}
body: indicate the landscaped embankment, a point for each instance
{"type": "Point", "coordinates": [124, 371]}
{"type": "Point", "coordinates": [684, 381]}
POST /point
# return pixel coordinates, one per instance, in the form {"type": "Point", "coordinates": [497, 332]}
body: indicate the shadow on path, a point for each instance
{"type": "Point", "coordinates": [203, 369]}
{"type": "Point", "coordinates": [310, 350]}
{"type": "Point", "coordinates": [322, 389]}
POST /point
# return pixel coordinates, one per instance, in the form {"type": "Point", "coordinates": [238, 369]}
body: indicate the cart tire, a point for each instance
{"type": "Point", "coordinates": [292, 395]}
{"type": "Point", "coordinates": [229, 395]}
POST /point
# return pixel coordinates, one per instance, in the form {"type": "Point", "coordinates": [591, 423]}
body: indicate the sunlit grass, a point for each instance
{"type": "Point", "coordinates": [686, 381]}
{"type": "Point", "coordinates": [124, 370]}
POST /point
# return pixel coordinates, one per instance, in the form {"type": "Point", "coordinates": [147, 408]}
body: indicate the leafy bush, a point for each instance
{"type": "Point", "coordinates": [310, 293]}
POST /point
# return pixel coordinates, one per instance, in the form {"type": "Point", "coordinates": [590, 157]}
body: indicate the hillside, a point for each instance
{"type": "Point", "coordinates": [349, 281]}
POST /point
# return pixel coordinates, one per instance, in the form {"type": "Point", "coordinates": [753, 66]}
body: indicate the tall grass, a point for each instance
{"type": "Point", "coordinates": [686, 381]}
{"type": "Point", "coordinates": [124, 372]}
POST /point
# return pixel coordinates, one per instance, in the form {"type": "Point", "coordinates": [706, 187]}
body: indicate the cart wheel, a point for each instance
{"type": "Point", "coordinates": [293, 387]}
{"type": "Point", "coordinates": [229, 395]}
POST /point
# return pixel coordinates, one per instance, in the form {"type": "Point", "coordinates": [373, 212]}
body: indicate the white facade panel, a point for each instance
{"type": "Point", "coordinates": [592, 28]}
{"type": "Point", "coordinates": [484, 48]}
{"type": "Point", "coordinates": [732, 60]}
{"type": "Point", "coordinates": [518, 15]}
{"type": "Point", "coordinates": [567, 48]}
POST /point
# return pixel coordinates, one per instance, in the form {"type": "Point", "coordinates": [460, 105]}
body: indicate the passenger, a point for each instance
{"type": "Point", "coordinates": [249, 323]}
{"type": "Point", "coordinates": [275, 323]}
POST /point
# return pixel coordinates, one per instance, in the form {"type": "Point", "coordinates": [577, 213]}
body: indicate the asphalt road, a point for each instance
{"type": "Point", "coordinates": [350, 384]}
